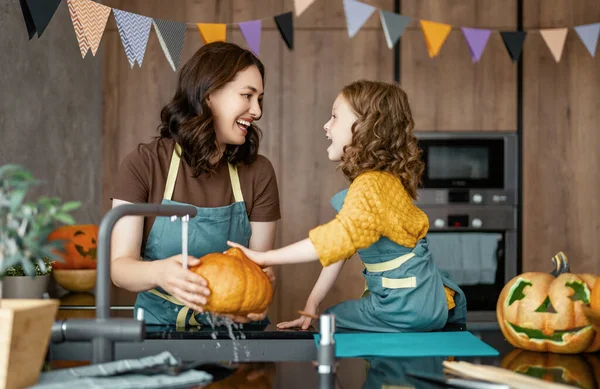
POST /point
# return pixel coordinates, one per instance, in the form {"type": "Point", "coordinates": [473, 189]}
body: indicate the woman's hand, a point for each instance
{"type": "Point", "coordinates": [183, 284]}
{"type": "Point", "coordinates": [303, 321]}
{"type": "Point", "coordinates": [257, 257]}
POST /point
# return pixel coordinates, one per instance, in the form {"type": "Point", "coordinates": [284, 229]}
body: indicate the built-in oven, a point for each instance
{"type": "Point", "coordinates": [469, 193]}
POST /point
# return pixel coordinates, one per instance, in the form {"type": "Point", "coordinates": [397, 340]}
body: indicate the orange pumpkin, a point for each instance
{"type": "Point", "coordinates": [80, 246]}
{"type": "Point", "coordinates": [237, 285]}
{"type": "Point", "coordinates": [578, 370]}
{"type": "Point", "coordinates": [543, 312]}
{"type": "Point", "coordinates": [595, 298]}
{"type": "Point", "coordinates": [248, 376]}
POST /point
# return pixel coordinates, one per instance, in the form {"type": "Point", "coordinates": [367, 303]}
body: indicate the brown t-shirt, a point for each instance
{"type": "Point", "coordinates": [143, 174]}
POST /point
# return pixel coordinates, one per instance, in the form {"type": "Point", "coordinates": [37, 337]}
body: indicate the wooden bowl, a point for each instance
{"type": "Point", "coordinates": [78, 280]}
{"type": "Point", "coordinates": [593, 316]}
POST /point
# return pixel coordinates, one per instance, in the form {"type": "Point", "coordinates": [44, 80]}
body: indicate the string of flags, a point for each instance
{"type": "Point", "coordinates": [89, 20]}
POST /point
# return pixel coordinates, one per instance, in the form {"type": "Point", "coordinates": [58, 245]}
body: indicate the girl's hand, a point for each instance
{"type": "Point", "coordinates": [183, 284]}
{"type": "Point", "coordinates": [303, 321]}
{"type": "Point", "coordinates": [255, 256]}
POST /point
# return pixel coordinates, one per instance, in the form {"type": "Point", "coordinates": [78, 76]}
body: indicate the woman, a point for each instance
{"type": "Point", "coordinates": [206, 156]}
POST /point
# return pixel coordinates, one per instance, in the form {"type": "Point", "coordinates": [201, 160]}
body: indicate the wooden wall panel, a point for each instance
{"type": "Point", "coordinates": [561, 141]}
{"type": "Point", "coordinates": [449, 92]}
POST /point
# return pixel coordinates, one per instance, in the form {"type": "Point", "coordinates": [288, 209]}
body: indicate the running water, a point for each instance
{"type": "Point", "coordinates": [234, 330]}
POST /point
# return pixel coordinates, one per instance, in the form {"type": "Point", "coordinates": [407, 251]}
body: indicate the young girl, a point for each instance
{"type": "Point", "coordinates": [206, 156]}
{"type": "Point", "coordinates": [371, 133]}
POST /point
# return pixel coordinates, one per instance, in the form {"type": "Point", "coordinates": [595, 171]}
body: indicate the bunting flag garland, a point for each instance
{"type": "Point", "coordinates": [251, 31]}
{"type": "Point", "coordinates": [212, 32]}
{"type": "Point", "coordinates": [513, 41]}
{"type": "Point", "coordinates": [301, 5]}
{"type": "Point", "coordinates": [171, 36]}
{"type": "Point", "coordinates": [393, 26]}
{"type": "Point", "coordinates": [588, 33]}
{"type": "Point", "coordinates": [285, 25]}
{"type": "Point", "coordinates": [476, 38]}
{"type": "Point", "coordinates": [555, 38]}
{"type": "Point", "coordinates": [89, 21]}
{"type": "Point", "coordinates": [357, 14]}
{"type": "Point", "coordinates": [134, 31]}
{"type": "Point", "coordinates": [435, 35]}
{"type": "Point", "coordinates": [37, 14]}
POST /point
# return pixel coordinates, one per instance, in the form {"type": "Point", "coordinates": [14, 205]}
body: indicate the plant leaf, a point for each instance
{"type": "Point", "coordinates": [63, 217]}
{"type": "Point", "coordinates": [70, 206]}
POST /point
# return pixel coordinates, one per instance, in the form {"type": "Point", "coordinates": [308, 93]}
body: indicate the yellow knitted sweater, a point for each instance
{"type": "Point", "coordinates": [376, 205]}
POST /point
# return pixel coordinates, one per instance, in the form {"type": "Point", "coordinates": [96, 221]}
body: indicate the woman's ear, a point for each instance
{"type": "Point", "coordinates": [208, 102]}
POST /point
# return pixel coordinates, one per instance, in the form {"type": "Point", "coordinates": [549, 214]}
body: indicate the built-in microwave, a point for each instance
{"type": "Point", "coordinates": [469, 192]}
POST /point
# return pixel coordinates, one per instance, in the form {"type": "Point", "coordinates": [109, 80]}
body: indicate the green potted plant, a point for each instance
{"type": "Point", "coordinates": [25, 255]}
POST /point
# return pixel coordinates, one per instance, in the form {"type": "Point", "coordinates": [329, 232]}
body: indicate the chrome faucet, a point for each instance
{"type": "Point", "coordinates": [104, 331]}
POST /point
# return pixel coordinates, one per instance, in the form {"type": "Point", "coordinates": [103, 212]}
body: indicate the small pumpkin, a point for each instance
{"type": "Point", "coordinates": [581, 370]}
{"type": "Point", "coordinates": [543, 312]}
{"type": "Point", "coordinates": [237, 285]}
{"type": "Point", "coordinates": [80, 246]}
{"type": "Point", "coordinates": [248, 376]}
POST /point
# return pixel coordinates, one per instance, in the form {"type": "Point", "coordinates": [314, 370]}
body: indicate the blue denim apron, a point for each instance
{"type": "Point", "coordinates": [404, 290]}
{"type": "Point", "coordinates": [208, 232]}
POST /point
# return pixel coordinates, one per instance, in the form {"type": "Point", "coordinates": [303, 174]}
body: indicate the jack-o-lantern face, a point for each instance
{"type": "Point", "coordinates": [80, 246]}
{"type": "Point", "coordinates": [543, 312]}
{"type": "Point", "coordinates": [579, 370]}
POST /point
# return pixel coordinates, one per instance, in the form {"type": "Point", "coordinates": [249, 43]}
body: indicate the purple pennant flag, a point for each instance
{"type": "Point", "coordinates": [251, 31]}
{"type": "Point", "coordinates": [476, 39]}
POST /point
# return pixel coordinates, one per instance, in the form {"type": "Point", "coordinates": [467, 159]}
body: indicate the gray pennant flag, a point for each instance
{"type": "Point", "coordinates": [171, 35]}
{"type": "Point", "coordinates": [393, 26]}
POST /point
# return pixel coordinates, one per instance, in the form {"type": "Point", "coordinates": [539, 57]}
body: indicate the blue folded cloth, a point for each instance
{"type": "Point", "coordinates": [114, 375]}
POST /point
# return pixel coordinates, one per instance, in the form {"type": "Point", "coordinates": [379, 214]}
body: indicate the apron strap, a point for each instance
{"type": "Point", "coordinates": [173, 170]}
{"type": "Point", "coordinates": [235, 183]}
{"type": "Point", "coordinates": [234, 177]}
{"type": "Point", "coordinates": [182, 314]}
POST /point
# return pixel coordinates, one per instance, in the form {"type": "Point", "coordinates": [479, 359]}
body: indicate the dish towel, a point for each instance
{"type": "Point", "coordinates": [114, 375]}
{"type": "Point", "coordinates": [469, 258]}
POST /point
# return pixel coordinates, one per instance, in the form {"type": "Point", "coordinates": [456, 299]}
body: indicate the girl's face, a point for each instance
{"type": "Point", "coordinates": [236, 106]}
{"type": "Point", "coordinates": [339, 128]}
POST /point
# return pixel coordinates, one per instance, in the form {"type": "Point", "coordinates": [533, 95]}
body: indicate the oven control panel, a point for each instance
{"type": "Point", "coordinates": [465, 196]}
{"type": "Point", "coordinates": [462, 217]}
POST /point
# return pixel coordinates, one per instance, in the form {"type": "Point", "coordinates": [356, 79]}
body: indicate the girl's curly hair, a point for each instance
{"type": "Point", "coordinates": [382, 136]}
{"type": "Point", "coordinates": [187, 118]}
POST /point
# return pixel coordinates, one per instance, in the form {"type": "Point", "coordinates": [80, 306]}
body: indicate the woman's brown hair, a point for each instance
{"type": "Point", "coordinates": [382, 136]}
{"type": "Point", "coordinates": [187, 118]}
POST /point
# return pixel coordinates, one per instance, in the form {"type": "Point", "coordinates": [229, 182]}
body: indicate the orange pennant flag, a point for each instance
{"type": "Point", "coordinates": [435, 35]}
{"type": "Point", "coordinates": [212, 32]}
{"type": "Point", "coordinates": [555, 39]}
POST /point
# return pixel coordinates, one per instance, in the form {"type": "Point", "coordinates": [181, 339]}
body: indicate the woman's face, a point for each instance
{"type": "Point", "coordinates": [236, 106]}
{"type": "Point", "coordinates": [339, 128]}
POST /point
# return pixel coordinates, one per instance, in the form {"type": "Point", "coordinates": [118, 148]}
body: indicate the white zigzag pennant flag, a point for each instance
{"type": "Point", "coordinates": [134, 30]}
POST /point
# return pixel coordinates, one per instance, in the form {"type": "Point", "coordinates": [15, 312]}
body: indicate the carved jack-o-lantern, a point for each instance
{"type": "Point", "coordinates": [543, 312]}
{"type": "Point", "coordinates": [80, 246]}
{"type": "Point", "coordinates": [579, 370]}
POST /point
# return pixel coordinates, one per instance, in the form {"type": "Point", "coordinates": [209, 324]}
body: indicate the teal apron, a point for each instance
{"type": "Point", "coordinates": [404, 290]}
{"type": "Point", "coordinates": [208, 232]}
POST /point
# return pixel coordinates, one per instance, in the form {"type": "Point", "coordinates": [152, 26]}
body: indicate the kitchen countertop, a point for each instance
{"type": "Point", "coordinates": [293, 366]}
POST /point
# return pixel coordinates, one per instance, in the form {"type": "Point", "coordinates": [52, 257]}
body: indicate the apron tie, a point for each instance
{"type": "Point", "coordinates": [182, 314]}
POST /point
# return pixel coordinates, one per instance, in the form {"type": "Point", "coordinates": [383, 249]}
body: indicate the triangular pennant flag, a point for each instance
{"type": "Point", "coordinates": [89, 21]}
{"type": "Point", "coordinates": [170, 35]}
{"type": "Point", "coordinates": [28, 18]}
{"type": "Point", "coordinates": [513, 40]}
{"type": "Point", "coordinates": [435, 35]}
{"type": "Point", "coordinates": [393, 26]}
{"type": "Point", "coordinates": [476, 38]}
{"type": "Point", "coordinates": [555, 39]}
{"type": "Point", "coordinates": [37, 14]}
{"type": "Point", "coordinates": [588, 33]}
{"type": "Point", "coordinates": [134, 31]}
{"type": "Point", "coordinates": [301, 5]}
{"type": "Point", "coordinates": [357, 14]}
{"type": "Point", "coordinates": [212, 32]}
{"type": "Point", "coordinates": [285, 24]}
{"type": "Point", "coordinates": [251, 31]}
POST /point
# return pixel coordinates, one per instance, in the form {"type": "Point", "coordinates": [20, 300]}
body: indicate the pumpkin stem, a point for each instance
{"type": "Point", "coordinates": [561, 264]}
